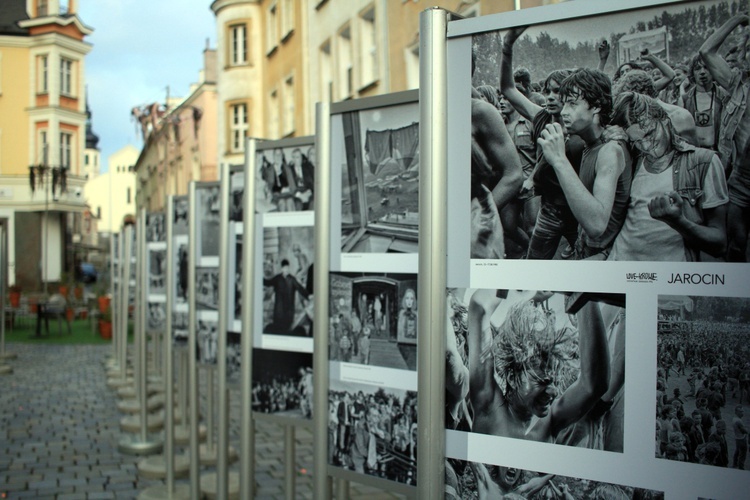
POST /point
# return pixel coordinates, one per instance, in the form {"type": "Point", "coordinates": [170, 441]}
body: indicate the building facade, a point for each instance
{"type": "Point", "coordinates": [180, 142]}
{"type": "Point", "coordinates": [111, 194]}
{"type": "Point", "coordinates": [42, 135]}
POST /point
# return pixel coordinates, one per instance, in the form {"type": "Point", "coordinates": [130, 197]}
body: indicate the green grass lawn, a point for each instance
{"type": "Point", "coordinates": [24, 330]}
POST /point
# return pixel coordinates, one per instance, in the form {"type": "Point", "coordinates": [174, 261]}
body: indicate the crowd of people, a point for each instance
{"type": "Point", "coordinates": [285, 394]}
{"type": "Point", "coordinates": [374, 434]}
{"type": "Point", "coordinates": [703, 379]}
{"type": "Point", "coordinates": [647, 163]}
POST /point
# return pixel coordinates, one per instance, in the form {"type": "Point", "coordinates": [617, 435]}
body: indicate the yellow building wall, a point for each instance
{"type": "Point", "coordinates": [14, 100]}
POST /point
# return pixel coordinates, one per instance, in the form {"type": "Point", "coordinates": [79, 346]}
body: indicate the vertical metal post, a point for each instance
{"type": "Point", "coordinates": [168, 373]}
{"type": "Point", "coordinates": [322, 486]}
{"type": "Point", "coordinates": [114, 247]}
{"type": "Point", "coordinates": [431, 343]}
{"type": "Point", "coordinates": [289, 462]}
{"type": "Point", "coordinates": [140, 320]}
{"type": "Point", "coordinates": [247, 427]}
{"type": "Point", "coordinates": [210, 406]}
{"type": "Point", "coordinates": [127, 247]}
{"type": "Point", "coordinates": [222, 454]}
{"type": "Point", "coordinates": [192, 368]}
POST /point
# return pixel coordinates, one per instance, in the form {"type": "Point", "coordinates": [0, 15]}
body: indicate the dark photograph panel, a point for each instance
{"type": "Point", "coordinates": [537, 365]}
{"type": "Point", "coordinates": [181, 270]}
{"type": "Point", "coordinates": [373, 319]}
{"type": "Point", "coordinates": [236, 300]}
{"type": "Point", "coordinates": [236, 194]}
{"type": "Point", "coordinates": [703, 380]}
{"type": "Point", "coordinates": [207, 288]}
{"type": "Point", "coordinates": [282, 383]}
{"type": "Point", "coordinates": [156, 227]}
{"type": "Point", "coordinates": [578, 127]}
{"type": "Point", "coordinates": [286, 179]}
{"type": "Point", "coordinates": [380, 179]}
{"type": "Point", "coordinates": [373, 430]}
{"type": "Point", "coordinates": [157, 271]}
{"type": "Point", "coordinates": [477, 481]}
{"type": "Point", "coordinates": [287, 280]}
{"type": "Point", "coordinates": [180, 215]}
{"type": "Point", "coordinates": [208, 206]}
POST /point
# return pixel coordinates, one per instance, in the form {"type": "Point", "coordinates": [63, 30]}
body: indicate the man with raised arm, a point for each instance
{"type": "Point", "coordinates": [513, 369]}
{"type": "Point", "coordinates": [734, 136]}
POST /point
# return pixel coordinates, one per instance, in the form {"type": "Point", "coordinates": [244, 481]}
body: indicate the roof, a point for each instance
{"type": "Point", "coordinates": [12, 12]}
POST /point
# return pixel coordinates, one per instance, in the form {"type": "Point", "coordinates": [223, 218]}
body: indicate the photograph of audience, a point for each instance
{"type": "Point", "coordinates": [373, 430]}
{"type": "Point", "coordinates": [703, 380]}
{"type": "Point", "coordinates": [373, 319]}
{"type": "Point", "coordinates": [638, 149]}
{"type": "Point", "coordinates": [282, 383]}
{"type": "Point", "coordinates": [477, 481]}
{"type": "Point", "coordinates": [539, 366]}
{"type": "Point", "coordinates": [286, 179]}
{"type": "Point", "coordinates": [287, 280]}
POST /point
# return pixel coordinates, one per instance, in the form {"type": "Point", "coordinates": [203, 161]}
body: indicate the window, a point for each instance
{"type": "Point", "coordinates": [345, 83]}
{"type": "Point", "coordinates": [288, 105]}
{"type": "Point", "coordinates": [238, 127]}
{"type": "Point", "coordinates": [326, 72]}
{"type": "Point", "coordinates": [411, 58]}
{"type": "Point", "coordinates": [66, 76]}
{"type": "Point", "coordinates": [64, 7]}
{"type": "Point", "coordinates": [128, 196]}
{"type": "Point", "coordinates": [368, 47]}
{"type": "Point", "coordinates": [41, 8]}
{"type": "Point", "coordinates": [273, 114]}
{"type": "Point", "coordinates": [272, 32]}
{"type": "Point", "coordinates": [238, 37]}
{"type": "Point", "coordinates": [66, 141]}
{"type": "Point", "coordinates": [287, 18]}
{"type": "Point", "coordinates": [43, 87]}
{"type": "Point", "coordinates": [98, 212]}
{"type": "Point", "coordinates": [43, 153]}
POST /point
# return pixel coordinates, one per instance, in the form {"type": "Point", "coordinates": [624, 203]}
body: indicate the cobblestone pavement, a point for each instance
{"type": "Point", "coordinates": [59, 432]}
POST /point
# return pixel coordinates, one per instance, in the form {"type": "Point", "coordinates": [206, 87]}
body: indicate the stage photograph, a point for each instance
{"type": "Point", "coordinates": [282, 383]}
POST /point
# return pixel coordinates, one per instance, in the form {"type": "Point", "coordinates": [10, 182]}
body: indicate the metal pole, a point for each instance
{"type": "Point", "coordinates": [127, 247]}
{"type": "Point", "coordinates": [168, 355]}
{"type": "Point", "coordinates": [290, 463]}
{"type": "Point", "coordinates": [222, 455]}
{"type": "Point", "coordinates": [322, 486]}
{"type": "Point", "coordinates": [210, 387]}
{"type": "Point", "coordinates": [431, 344]}
{"type": "Point", "coordinates": [247, 426]}
{"type": "Point", "coordinates": [195, 483]}
{"type": "Point", "coordinates": [140, 321]}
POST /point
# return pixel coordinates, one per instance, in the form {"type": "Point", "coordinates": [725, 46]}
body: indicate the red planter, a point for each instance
{"type": "Point", "coordinates": [103, 304]}
{"type": "Point", "coordinates": [15, 299]}
{"type": "Point", "coordinates": [105, 329]}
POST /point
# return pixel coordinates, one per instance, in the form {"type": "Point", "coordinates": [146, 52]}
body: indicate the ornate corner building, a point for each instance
{"type": "Point", "coordinates": [42, 136]}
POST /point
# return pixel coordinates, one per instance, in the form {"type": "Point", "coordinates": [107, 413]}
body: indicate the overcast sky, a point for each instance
{"type": "Point", "coordinates": [140, 47]}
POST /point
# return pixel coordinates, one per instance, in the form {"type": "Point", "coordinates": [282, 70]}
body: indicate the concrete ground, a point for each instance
{"type": "Point", "coordinates": [59, 433]}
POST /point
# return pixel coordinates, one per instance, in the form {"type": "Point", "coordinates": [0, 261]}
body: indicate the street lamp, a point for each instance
{"type": "Point", "coordinates": [54, 180]}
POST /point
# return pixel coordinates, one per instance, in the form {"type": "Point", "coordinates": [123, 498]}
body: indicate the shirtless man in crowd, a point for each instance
{"type": "Point", "coordinates": [529, 386]}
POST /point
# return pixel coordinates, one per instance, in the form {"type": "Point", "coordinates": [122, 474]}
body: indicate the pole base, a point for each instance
{"type": "Point", "coordinates": [156, 467]}
{"type": "Point", "coordinates": [134, 446]}
{"type": "Point", "coordinates": [182, 434]}
{"type": "Point", "coordinates": [132, 423]}
{"type": "Point", "coordinates": [209, 454]}
{"type": "Point", "coordinates": [6, 369]}
{"type": "Point", "coordinates": [8, 356]}
{"type": "Point", "coordinates": [209, 486]}
{"type": "Point", "coordinates": [161, 492]}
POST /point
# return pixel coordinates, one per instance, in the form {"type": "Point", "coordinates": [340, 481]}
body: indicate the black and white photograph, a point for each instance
{"type": "Point", "coordinates": [207, 288]}
{"type": "Point", "coordinates": [703, 380]}
{"type": "Point", "coordinates": [157, 271]}
{"type": "Point", "coordinates": [379, 151]}
{"type": "Point", "coordinates": [207, 207]}
{"type": "Point", "coordinates": [157, 316]}
{"type": "Point", "coordinates": [282, 383]}
{"type": "Point", "coordinates": [234, 358]}
{"type": "Point", "coordinates": [537, 365]}
{"type": "Point", "coordinates": [207, 336]}
{"type": "Point", "coordinates": [286, 179]}
{"type": "Point", "coordinates": [478, 481]}
{"type": "Point", "coordinates": [578, 126]}
{"type": "Point", "coordinates": [156, 227]}
{"type": "Point", "coordinates": [373, 430]}
{"type": "Point", "coordinates": [180, 326]}
{"type": "Point", "coordinates": [181, 269]}
{"type": "Point", "coordinates": [236, 194]}
{"type": "Point", "coordinates": [180, 216]}
{"type": "Point", "coordinates": [287, 280]}
{"type": "Point", "coordinates": [373, 319]}
{"type": "Point", "coordinates": [236, 271]}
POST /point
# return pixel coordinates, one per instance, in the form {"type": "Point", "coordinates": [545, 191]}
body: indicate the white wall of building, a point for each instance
{"type": "Point", "coordinates": [111, 195]}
